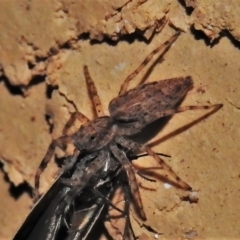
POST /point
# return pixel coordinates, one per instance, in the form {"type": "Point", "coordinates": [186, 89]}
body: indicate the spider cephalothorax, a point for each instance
{"type": "Point", "coordinates": [95, 135]}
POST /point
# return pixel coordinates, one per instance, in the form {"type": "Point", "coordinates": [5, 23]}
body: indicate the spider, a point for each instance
{"type": "Point", "coordinates": [130, 112]}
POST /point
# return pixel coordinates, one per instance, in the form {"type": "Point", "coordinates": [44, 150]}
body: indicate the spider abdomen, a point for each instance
{"type": "Point", "coordinates": [144, 104]}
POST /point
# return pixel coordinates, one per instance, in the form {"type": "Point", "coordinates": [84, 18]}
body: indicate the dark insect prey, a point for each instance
{"type": "Point", "coordinates": [74, 203]}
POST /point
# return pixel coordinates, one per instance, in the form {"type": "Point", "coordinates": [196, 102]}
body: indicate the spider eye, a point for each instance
{"type": "Point", "coordinates": [92, 137]}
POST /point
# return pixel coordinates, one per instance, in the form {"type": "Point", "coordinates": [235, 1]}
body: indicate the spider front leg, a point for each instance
{"type": "Point", "coordinates": [59, 142]}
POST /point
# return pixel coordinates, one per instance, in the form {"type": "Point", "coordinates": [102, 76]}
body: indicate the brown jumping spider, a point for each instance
{"type": "Point", "coordinates": [130, 112]}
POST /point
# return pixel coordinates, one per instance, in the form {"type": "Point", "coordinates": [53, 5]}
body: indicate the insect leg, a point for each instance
{"type": "Point", "coordinates": [128, 230]}
{"type": "Point", "coordinates": [60, 142]}
{"type": "Point", "coordinates": [122, 158]}
{"type": "Point", "coordinates": [140, 174]}
{"type": "Point", "coordinates": [164, 48]}
{"type": "Point", "coordinates": [93, 93]}
{"type": "Point", "coordinates": [97, 193]}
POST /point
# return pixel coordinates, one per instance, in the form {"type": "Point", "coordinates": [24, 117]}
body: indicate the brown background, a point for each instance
{"type": "Point", "coordinates": [40, 47]}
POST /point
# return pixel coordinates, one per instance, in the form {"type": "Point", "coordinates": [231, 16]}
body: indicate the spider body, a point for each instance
{"type": "Point", "coordinates": [130, 112]}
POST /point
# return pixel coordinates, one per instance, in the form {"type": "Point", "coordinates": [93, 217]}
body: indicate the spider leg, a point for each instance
{"type": "Point", "coordinates": [170, 112]}
{"type": "Point", "coordinates": [75, 116]}
{"type": "Point", "coordinates": [159, 114]}
{"type": "Point", "coordinates": [106, 199]}
{"type": "Point", "coordinates": [60, 142]}
{"type": "Point", "coordinates": [98, 111]}
{"type": "Point", "coordinates": [164, 47]}
{"type": "Point", "coordinates": [134, 145]}
{"type": "Point", "coordinates": [93, 93]}
{"type": "Point", "coordinates": [183, 184]}
{"type": "Point", "coordinates": [131, 178]}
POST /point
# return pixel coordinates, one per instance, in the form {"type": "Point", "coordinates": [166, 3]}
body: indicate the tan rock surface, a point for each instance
{"type": "Point", "coordinates": [206, 155]}
{"type": "Point", "coordinates": [214, 16]}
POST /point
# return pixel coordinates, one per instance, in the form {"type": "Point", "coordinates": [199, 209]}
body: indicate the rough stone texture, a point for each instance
{"type": "Point", "coordinates": [42, 39]}
{"type": "Point", "coordinates": [214, 16]}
